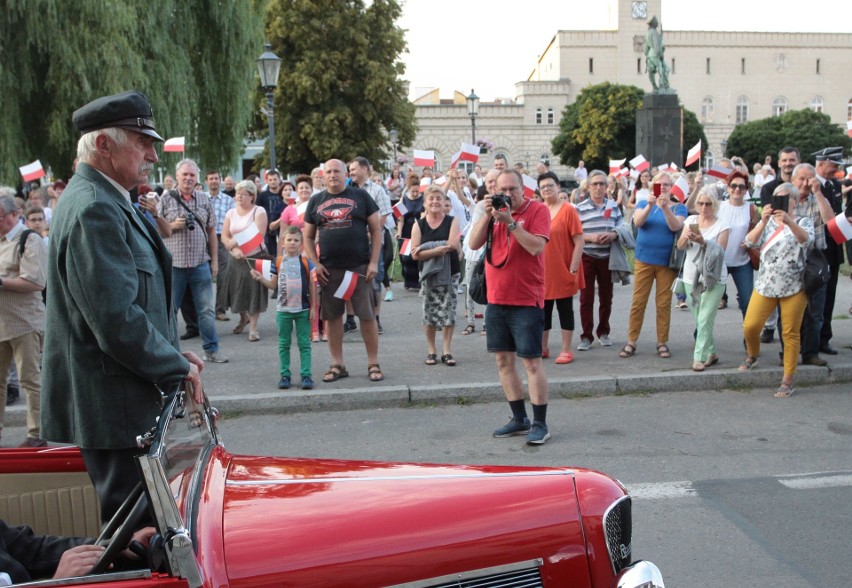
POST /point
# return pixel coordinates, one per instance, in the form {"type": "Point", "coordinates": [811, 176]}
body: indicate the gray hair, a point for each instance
{"type": "Point", "coordinates": [8, 204]}
{"type": "Point", "coordinates": [805, 166]}
{"type": "Point", "coordinates": [597, 172]}
{"type": "Point", "coordinates": [189, 162]}
{"type": "Point", "coordinates": [709, 192]}
{"type": "Point", "coordinates": [247, 185]}
{"type": "Point", "coordinates": [87, 145]}
{"type": "Point", "coordinates": [7, 191]}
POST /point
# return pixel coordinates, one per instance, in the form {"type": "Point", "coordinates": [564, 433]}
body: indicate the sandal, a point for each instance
{"type": "Point", "coordinates": [627, 351]}
{"type": "Point", "coordinates": [545, 353]}
{"type": "Point", "coordinates": [469, 330]}
{"type": "Point", "coordinates": [698, 366]}
{"type": "Point", "coordinates": [565, 357]}
{"type": "Point", "coordinates": [241, 325]}
{"type": "Point", "coordinates": [712, 360]}
{"type": "Point", "coordinates": [723, 304]}
{"type": "Point", "coordinates": [448, 359]}
{"type": "Point", "coordinates": [747, 363]}
{"type": "Point", "coordinates": [374, 372]}
{"type": "Point", "coordinates": [663, 351]}
{"type": "Point", "coordinates": [784, 391]}
{"type": "Point", "coordinates": [254, 336]}
{"type": "Point", "coordinates": [482, 332]}
{"type": "Point", "coordinates": [334, 373]}
{"type": "Point", "coordinates": [431, 359]}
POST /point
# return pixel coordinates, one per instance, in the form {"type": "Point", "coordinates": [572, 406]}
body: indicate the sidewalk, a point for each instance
{"type": "Point", "coordinates": [248, 384]}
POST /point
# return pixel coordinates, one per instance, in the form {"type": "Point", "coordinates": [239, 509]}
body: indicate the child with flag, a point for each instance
{"type": "Point", "coordinates": [297, 303]}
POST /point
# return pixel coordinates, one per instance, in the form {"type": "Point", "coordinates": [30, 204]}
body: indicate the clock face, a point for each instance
{"type": "Point", "coordinates": [640, 10]}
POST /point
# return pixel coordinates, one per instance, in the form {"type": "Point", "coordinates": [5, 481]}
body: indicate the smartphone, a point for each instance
{"type": "Point", "coordinates": [695, 229]}
{"type": "Point", "coordinates": [658, 189]}
{"type": "Point", "coordinates": [780, 203]}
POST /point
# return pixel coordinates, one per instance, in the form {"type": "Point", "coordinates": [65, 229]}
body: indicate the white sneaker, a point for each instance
{"type": "Point", "coordinates": [606, 341]}
{"type": "Point", "coordinates": [584, 345]}
{"type": "Point", "coordinates": [388, 296]}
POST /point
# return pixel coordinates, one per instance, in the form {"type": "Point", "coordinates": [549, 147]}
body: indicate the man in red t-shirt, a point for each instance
{"type": "Point", "coordinates": [514, 318]}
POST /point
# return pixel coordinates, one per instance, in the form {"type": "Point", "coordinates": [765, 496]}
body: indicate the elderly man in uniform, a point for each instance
{"type": "Point", "coordinates": [111, 347]}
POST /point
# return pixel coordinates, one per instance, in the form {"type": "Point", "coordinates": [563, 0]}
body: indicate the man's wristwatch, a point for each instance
{"type": "Point", "coordinates": [512, 226]}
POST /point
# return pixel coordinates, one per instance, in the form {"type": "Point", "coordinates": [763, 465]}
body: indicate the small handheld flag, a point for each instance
{"type": "Point", "coordinates": [693, 155]}
{"type": "Point", "coordinates": [425, 183]}
{"type": "Point", "coordinates": [615, 165]}
{"type": "Point", "coordinates": [175, 144]}
{"type": "Point", "coordinates": [405, 248]}
{"type": "Point", "coordinates": [639, 163]}
{"type": "Point", "coordinates": [32, 171]}
{"type": "Point", "coordinates": [249, 239]}
{"type": "Point", "coordinates": [347, 286]}
{"type": "Point", "coordinates": [839, 228]}
{"type": "Point", "coordinates": [424, 158]}
{"type": "Point", "coordinates": [530, 186]}
{"type": "Point", "coordinates": [717, 171]}
{"type": "Point", "coordinates": [265, 267]}
{"type": "Point", "coordinates": [680, 190]}
{"type": "Point", "coordinates": [399, 209]}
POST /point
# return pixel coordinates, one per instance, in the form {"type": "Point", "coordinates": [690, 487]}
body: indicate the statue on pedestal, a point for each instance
{"type": "Point", "coordinates": [655, 61]}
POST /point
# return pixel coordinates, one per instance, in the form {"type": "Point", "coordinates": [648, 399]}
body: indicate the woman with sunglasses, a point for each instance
{"type": "Point", "coordinates": [657, 220]}
{"type": "Point", "coordinates": [740, 216]}
{"type": "Point", "coordinates": [704, 273]}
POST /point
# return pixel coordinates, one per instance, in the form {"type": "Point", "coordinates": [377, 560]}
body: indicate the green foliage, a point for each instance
{"type": "Point", "coordinates": [57, 55]}
{"type": "Point", "coordinates": [804, 129]}
{"type": "Point", "coordinates": [340, 88]}
{"type": "Point", "coordinates": [601, 125]}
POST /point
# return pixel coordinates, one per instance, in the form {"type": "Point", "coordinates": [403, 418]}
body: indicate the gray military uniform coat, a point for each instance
{"type": "Point", "coordinates": [111, 336]}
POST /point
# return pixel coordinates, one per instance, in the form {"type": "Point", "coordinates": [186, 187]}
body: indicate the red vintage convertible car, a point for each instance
{"type": "Point", "coordinates": [240, 521]}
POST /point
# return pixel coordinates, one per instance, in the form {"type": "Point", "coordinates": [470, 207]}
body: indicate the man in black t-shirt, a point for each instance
{"type": "Point", "coordinates": [347, 224]}
{"type": "Point", "coordinates": [270, 199]}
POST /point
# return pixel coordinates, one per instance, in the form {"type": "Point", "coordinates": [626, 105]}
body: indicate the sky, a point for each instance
{"type": "Point", "coordinates": [489, 45]}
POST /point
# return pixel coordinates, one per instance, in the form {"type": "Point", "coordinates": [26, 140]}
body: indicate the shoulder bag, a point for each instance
{"type": "Point", "coordinates": [476, 287]}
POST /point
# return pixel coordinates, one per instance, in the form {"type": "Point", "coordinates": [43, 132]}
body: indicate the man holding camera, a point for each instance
{"type": "Point", "coordinates": [514, 316]}
{"type": "Point", "coordinates": [194, 248]}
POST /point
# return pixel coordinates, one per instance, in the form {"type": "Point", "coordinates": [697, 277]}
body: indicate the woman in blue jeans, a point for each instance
{"type": "Point", "coordinates": [739, 216]}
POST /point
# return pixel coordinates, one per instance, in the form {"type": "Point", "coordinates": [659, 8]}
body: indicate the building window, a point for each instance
{"type": "Point", "coordinates": [708, 109]}
{"type": "Point", "coordinates": [709, 159]}
{"type": "Point", "coordinates": [742, 66]}
{"type": "Point", "coordinates": [817, 104]}
{"type": "Point", "coordinates": [550, 116]}
{"type": "Point", "coordinates": [673, 65]}
{"type": "Point", "coordinates": [708, 66]}
{"type": "Point", "coordinates": [591, 65]}
{"type": "Point", "coordinates": [817, 69]}
{"type": "Point", "coordinates": [538, 116]}
{"type": "Point", "coordinates": [742, 110]}
{"type": "Point", "coordinates": [639, 65]}
{"type": "Point", "coordinates": [779, 106]}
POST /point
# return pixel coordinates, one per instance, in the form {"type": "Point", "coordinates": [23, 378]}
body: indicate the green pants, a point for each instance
{"type": "Point", "coordinates": [302, 321]}
{"type": "Point", "coordinates": [705, 319]}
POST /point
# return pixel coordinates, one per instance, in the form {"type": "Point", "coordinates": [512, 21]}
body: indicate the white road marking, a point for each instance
{"type": "Point", "coordinates": [824, 481]}
{"type": "Point", "coordinates": [809, 481]}
{"type": "Point", "coordinates": [662, 490]}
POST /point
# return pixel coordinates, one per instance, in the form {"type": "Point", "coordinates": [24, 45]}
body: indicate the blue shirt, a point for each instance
{"type": "Point", "coordinates": [654, 239]}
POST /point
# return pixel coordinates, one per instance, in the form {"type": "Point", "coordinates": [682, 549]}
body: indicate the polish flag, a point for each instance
{"type": "Point", "coordinates": [671, 167]}
{"type": "Point", "coordinates": [717, 171]}
{"type": "Point", "coordinates": [175, 144]}
{"type": "Point", "coordinates": [425, 183]}
{"type": "Point", "coordinates": [440, 181]}
{"type": "Point", "coordinates": [530, 186]}
{"type": "Point", "coordinates": [680, 190]}
{"type": "Point", "coordinates": [32, 171]}
{"type": "Point", "coordinates": [639, 163]}
{"type": "Point", "coordinates": [265, 267]}
{"type": "Point", "coordinates": [849, 127]}
{"type": "Point", "coordinates": [840, 228]}
{"type": "Point", "coordinates": [249, 239]}
{"type": "Point", "coordinates": [399, 210]}
{"type": "Point", "coordinates": [693, 155]}
{"type": "Point", "coordinates": [424, 158]}
{"type": "Point", "coordinates": [623, 172]}
{"type": "Point", "coordinates": [405, 248]}
{"type": "Point", "coordinates": [607, 213]}
{"type": "Point", "coordinates": [347, 286]}
{"type": "Point", "coordinates": [467, 152]}
{"type": "Point", "coordinates": [615, 165]}
{"type": "Point", "coordinates": [634, 174]}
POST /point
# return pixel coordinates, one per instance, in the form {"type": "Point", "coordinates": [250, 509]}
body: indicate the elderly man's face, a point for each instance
{"type": "Point", "coordinates": [335, 176]}
{"type": "Point", "coordinates": [187, 178]}
{"type": "Point", "coordinates": [133, 161]}
{"type": "Point", "coordinates": [8, 221]}
{"type": "Point", "coordinates": [229, 183]}
{"type": "Point", "coordinates": [802, 181]}
{"type": "Point", "coordinates": [510, 185]}
{"type": "Point", "coordinates": [597, 188]}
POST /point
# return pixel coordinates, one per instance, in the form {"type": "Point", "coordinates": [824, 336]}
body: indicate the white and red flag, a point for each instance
{"type": "Point", "coordinates": [639, 163]}
{"type": "Point", "coordinates": [615, 165]}
{"type": "Point", "coordinates": [440, 181]}
{"type": "Point", "coordinates": [623, 172]}
{"type": "Point", "coordinates": [773, 239]}
{"type": "Point", "coordinates": [424, 158]}
{"type": "Point", "coordinates": [693, 155]}
{"type": "Point", "coordinates": [249, 239]}
{"type": "Point", "coordinates": [425, 183]}
{"type": "Point", "coordinates": [467, 152]}
{"type": "Point", "coordinates": [849, 172]}
{"type": "Point", "coordinates": [680, 190]}
{"type": "Point", "coordinates": [840, 228]}
{"type": "Point", "coordinates": [530, 186]}
{"type": "Point", "coordinates": [717, 171]}
{"type": "Point", "coordinates": [32, 171]}
{"type": "Point", "coordinates": [175, 144]}
{"type": "Point", "coordinates": [405, 247]}
{"type": "Point", "coordinates": [347, 286]}
{"type": "Point", "coordinates": [849, 127]}
{"type": "Point", "coordinates": [265, 267]}
{"type": "Point", "coordinates": [399, 209]}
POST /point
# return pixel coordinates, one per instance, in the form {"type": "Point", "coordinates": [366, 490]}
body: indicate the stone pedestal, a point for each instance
{"type": "Point", "coordinates": [659, 129]}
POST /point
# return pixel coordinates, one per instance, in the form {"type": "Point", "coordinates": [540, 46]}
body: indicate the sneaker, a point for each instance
{"type": "Point", "coordinates": [767, 336]}
{"type": "Point", "coordinates": [348, 327]}
{"type": "Point", "coordinates": [284, 383]}
{"type": "Point", "coordinates": [13, 393]}
{"type": "Point", "coordinates": [389, 296]}
{"type": "Point", "coordinates": [538, 434]}
{"type": "Point", "coordinates": [33, 442]}
{"type": "Point", "coordinates": [307, 383]}
{"type": "Point", "coordinates": [513, 427]}
{"type": "Point", "coordinates": [189, 335]}
{"type": "Point", "coordinates": [214, 357]}
{"type": "Point", "coordinates": [605, 341]}
{"type": "Point", "coordinates": [585, 345]}
{"type": "Point", "coordinates": [221, 316]}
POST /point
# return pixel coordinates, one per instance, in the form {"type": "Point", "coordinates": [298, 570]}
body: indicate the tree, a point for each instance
{"type": "Point", "coordinates": [601, 124]}
{"type": "Point", "coordinates": [58, 55]}
{"type": "Point", "coordinates": [805, 129]}
{"type": "Point", "coordinates": [340, 88]}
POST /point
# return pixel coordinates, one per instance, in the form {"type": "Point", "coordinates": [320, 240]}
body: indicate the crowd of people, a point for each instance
{"type": "Point", "coordinates": [323, 245]}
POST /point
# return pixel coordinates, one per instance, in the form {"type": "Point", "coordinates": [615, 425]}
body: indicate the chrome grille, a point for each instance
{"type": "Point", "coordinates": [618, 522]}
{"type": "Point", "coordinates": [518, 575]}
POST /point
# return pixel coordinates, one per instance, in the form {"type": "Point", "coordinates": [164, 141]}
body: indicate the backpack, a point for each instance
{"type": "Point", "coordinates": [22, 245]}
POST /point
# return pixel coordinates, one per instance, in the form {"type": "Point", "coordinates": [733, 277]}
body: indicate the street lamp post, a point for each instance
{"type": "Point", "coordinates": [472, 111]}
{"type": "Point", "coordinates": [269, 66]}
{"type": "Point", "coordinates": [394, 137]}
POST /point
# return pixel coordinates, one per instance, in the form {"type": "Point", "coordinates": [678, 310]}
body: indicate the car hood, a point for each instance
{"type": "Point", "coordinates": [310, 522]}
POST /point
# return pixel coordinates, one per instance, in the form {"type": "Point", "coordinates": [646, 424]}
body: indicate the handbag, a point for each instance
{"type": "Point", "coordinates": [753, 252]}
{"type": "Point", "coordinates": [677, 255]}
{"type": "Point", "coordinates": [817, 272]}
{"type": "Point", "coordinates": [477, 288]}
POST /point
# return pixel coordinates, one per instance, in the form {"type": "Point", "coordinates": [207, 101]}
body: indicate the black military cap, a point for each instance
{"type": "Point", "coordinates": [128, 110]}
{"type": "Point", "coordinates": [832, 154]}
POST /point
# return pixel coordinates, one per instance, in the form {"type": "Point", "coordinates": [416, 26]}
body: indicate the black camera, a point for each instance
{"type": "Point", "coordinates": [501, 202]}
{"type": "Point", "coordinates": [190, 221]}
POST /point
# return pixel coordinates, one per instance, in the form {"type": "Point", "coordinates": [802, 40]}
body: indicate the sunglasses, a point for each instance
{"type": "Point", "coordinates": [737, 186]}
{"type": "Point", "coordinates": [704, 203]}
